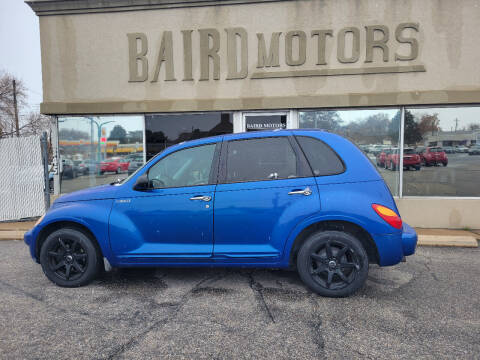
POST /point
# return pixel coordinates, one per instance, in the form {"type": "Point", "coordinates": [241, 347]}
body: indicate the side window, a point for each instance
{"type": "Point", "coordinates": [260, 159]}
{"type": "Point", "coordinates": [322, 159]}
{"type": "Point", "coordinates": [186, 167]}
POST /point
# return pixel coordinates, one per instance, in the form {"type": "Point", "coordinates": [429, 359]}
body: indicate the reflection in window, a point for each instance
{"type": "Point", "coordinates": [164, 130]}
{"type": "Point", "coordinates": [97, 150]}
{"type": "Point", "coordinates": [446, 140]}
{"type": "Point", "coordinates": [376, 132]}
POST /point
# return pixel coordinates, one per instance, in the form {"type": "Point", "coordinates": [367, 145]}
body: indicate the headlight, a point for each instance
{"type": "Point", "coordinates": [39, 220]}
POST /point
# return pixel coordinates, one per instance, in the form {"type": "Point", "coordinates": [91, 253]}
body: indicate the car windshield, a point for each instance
{"type": "Point", "coordinates": [408, 151]}
{"type": "Point", "coordinates": [436, 149]}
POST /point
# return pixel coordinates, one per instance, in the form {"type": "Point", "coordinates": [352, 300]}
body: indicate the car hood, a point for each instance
{"type": "Point", "coordinates": [95, 193]}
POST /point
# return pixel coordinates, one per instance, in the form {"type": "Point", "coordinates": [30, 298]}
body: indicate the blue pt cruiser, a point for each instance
{"type": "Point", "coordinates": [303, 199]}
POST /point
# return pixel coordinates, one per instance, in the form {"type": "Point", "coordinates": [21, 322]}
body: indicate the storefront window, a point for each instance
{"type": "Point", "coordinates": [164, 130]}
{"type": "Point", "coordinates": [97, 150]}
{"type": "Point", "coordinates": [375, 131]}
{"type": "Point", "coordinates": [447, 140]}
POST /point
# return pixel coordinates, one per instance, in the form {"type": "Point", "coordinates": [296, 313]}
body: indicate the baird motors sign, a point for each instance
{"type": "Point", "coordinates": [145, 64]}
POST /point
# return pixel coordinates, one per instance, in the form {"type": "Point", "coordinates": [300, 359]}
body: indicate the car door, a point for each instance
{"type": "Point", "coordinates": [265, 189]}
{"type": "Point", "coordinates": [174, 218]}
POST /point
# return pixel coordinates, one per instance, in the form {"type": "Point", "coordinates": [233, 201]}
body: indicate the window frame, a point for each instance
{"type": "Point", "coordinates": [344, 166]}
{"type": "Point", "coordinates": [303, 168]}
{"type": "Point", "coordinates": [212, 178]}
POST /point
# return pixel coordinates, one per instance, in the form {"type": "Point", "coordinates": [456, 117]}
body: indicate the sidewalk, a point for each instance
{"type": "Point", "coordinates": [426, 237]}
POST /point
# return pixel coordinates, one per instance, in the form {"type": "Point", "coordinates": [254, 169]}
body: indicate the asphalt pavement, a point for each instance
{"type": "Point", "coordinates": [428, 307]}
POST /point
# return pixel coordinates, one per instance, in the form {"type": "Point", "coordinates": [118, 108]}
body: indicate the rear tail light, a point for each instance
{"type": "Point", "coordinates": [390, 216]}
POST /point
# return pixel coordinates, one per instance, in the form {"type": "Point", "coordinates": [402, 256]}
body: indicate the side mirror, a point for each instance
{"type": "Point", "coordinates": [142, 183]}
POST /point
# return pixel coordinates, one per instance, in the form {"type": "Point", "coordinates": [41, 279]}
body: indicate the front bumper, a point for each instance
{"type": "Point", "coordinates": [29, 239]}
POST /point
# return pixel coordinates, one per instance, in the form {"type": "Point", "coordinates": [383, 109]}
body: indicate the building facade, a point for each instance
{"type": "Point", "coordinates": [126, 79]}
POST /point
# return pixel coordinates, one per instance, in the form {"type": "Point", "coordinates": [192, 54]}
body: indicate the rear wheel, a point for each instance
{"type": "Point", "coordinates": [333, 263]}
{"type": "Point", "coordinates": [69, 258]}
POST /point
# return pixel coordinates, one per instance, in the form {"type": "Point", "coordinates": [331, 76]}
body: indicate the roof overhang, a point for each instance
{"type": "Point", "coordinates": [65, 7]}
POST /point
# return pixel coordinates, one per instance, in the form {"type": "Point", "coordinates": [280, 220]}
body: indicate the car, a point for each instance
{"type": "Point", "coordinates": [433, 156]}
{"type": "Point", "coordinates": [474, 150]}
{"type": "Point", "coordinates": [410, 159]}
{"type": "Point", "coordinates": [115, 165]}
{"type": "Point", "coordinates": [382, 157]}
{"type": "Point", "coordinates": [449, 149]}
{"type": "Point", "coordinates": [308, 200]}
{"type": "Point", "coordinates": [135, 162]}
{"type": "Point", "coordinates": [80, 167]}
{"type": "Point", "coordinates": [69, 170]}
{"type": "Point", "coordinates": [461, 149]}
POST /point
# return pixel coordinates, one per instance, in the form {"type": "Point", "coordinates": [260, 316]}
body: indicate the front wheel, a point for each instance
{"type": "Point", "coordinates": [69, 258]}
{"type": "Point", "coordinates": [333, 263]}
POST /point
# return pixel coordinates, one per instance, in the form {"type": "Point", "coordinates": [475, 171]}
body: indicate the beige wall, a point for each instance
{"type": "Point", "coordinates": [425, 212]}
{"type": "Point", "coordinates": [85, 57]}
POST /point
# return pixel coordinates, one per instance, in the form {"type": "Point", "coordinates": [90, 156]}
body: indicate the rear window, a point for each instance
{"type": "Point", "coordinates": [436, 149]}
{"type": "Point", "coordinates": [323, 160]}
{"type": "Point", "coordinates": [408, 151]}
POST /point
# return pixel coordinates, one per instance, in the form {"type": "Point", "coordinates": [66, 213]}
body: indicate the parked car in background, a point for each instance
{"type": "Point", "coordinates": [474, 150]}
{"type": "Point", "coordinates": [461, 149]}
{"type": "Point", "coordinates": [382, 157]}
{"type": "Point", "coordinates": [433, 156]}
{"type": "Point", "coordinates": [262, 191]}
{"type": "Point", "coordinates": [80, 167]}
{"type": "Point", "coordinates": [115, 164]}
{"type": "Point", "coordinates": [136, 162]}
{"type": "Point", "coordinates": [449, 149]}
{"type": "Point", "coordinates": [410, 159]}
{"type": "Point", "coordinates": [91, 166]}
{"type": "Point", "coordinates": [69, 170]}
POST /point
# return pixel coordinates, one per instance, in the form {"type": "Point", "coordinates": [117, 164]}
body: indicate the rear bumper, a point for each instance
{"type": "Point", "coordinates": [409, 240]}
{"type": "Point", "coordinates": [392, 248]}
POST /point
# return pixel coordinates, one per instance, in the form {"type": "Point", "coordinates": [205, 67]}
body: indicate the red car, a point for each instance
{"type": "Point", "coordinates": [433, 156]}
{"type": "Point", "coordinates": [382, 157]}
{"type": "Point", "coordinates": [410, 159]}
{"type": "Point", "coordinates": [115, 165]}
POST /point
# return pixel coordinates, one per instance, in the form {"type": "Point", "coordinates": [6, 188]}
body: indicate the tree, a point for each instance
{"type": "Point", "coordinates": [118, 133]}
{"type": "Point", "coordinates": [473, 127]}
{"type": "Point", "coordinates": [7, 110]}
{"type": "Point", "coordinates": [325, 119]}
{"type": "Point", "coordinates": [429, 123]}
{"type": "Point", "coordinates": [412, 134]}
{"type": "Point", "coordinates": [30, 123]}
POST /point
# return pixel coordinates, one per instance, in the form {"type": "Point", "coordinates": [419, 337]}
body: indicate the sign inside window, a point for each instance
{"type": "Point", "coordinates": [265, 122]}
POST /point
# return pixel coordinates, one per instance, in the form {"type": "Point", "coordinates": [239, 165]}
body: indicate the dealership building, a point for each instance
{"type": "Point", "coordinates": [125, 79]}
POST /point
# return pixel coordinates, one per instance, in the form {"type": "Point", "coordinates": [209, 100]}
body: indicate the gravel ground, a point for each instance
{"type": "Point", "coordinates": [428, 307]}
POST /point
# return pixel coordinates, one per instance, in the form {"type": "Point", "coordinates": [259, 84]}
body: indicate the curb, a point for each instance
{"type": "Point", "coordinates": [447, 240]}
{"type": "Point", "coordinates": [11, 235]}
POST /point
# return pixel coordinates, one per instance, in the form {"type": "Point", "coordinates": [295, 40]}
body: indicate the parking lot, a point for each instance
{"type": "Point", "coordinates": [459, 178]}
{"type": "Point", "coordinates": [428, 307]}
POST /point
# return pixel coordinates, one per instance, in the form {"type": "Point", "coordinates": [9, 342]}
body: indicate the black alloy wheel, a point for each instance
{"type": "Point", "coordinates": [333, 263]}
{"type": "Point", "coordinates": [69, 258]}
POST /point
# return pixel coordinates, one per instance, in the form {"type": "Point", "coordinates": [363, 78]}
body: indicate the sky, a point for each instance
{"type": "Point", "coordinates": [20, 44]}
{"type": "Point", "coordinates": [19, 35]}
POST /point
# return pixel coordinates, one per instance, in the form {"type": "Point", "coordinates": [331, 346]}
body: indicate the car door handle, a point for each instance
{"type": "Point", "coordinates": [202, 198]}
{"type": "Point", "coordinates": [307, 191]}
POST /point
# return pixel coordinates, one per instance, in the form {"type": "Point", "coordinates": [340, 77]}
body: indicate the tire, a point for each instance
{"type": "Point", "coordinates": [69, 258]}
{"type": "Point", "coordinates": [326, 274]}
{"type": "Point", "coordinates": [118, 170]}
{"type": "Point", "coordinates": [417, 167]}
{"type": "Point", "coordinates": [445, 164]}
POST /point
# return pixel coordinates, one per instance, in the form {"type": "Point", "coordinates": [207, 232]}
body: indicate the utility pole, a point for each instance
{"type": "Point", "coordinates": [456, 124]}
{"type": "Point", "coordinates": [15, 107]}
